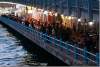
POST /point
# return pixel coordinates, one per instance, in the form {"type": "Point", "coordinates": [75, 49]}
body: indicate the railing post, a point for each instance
{"type": "Point", "coordinates": [60, 40]}
{"type": "Point", "coordinates": [75, 55]}
{"type": "Point", "coordinates": [40, 39]}
{"type": "Point", "coordinates": [85, 56]}
{"type": "Point", "coordinates": [68, 50]}
{"type": "Point", "coordinates": [39, 36]}
{"type": "Point", "coordinates": [68, 53]}
{"type": "Point", "coordinates": [44, 37]}
{"type": "Point", "coordinates": [32, 31]}
{"type": "Point", "coordinates": [53, 41]}
{"type": "Point", "coordinates": [35, 35]}
{"type": "Point", "coordinates": [97, 58]}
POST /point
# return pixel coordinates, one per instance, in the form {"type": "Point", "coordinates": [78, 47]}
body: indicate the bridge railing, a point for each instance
{"type": "Point", "coordinates": [77, 55]}
{"type": "Point", "coordinates": [72, 53]}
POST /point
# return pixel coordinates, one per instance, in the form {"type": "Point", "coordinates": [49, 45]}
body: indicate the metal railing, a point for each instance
{"type": "Point", "coordinates": [74, 55]}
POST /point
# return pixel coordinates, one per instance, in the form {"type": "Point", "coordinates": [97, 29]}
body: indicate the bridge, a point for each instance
{"type": "Point", "coordinates": [68, 53]}
{"type": "Point", "coordinates": [64, 51]}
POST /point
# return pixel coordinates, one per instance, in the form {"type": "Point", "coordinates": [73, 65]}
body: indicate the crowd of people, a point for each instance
{"type": "Point", "coordinates": [60, 32]}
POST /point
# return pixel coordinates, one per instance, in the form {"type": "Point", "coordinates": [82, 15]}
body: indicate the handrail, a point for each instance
{"type": "Point", "coordinates": [65, 44]}
{"type": "Point", "coordinates": [69, 50]}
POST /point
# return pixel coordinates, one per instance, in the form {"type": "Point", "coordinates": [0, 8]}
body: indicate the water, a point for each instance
{"type": "Point", "coordinates": [11, 52]}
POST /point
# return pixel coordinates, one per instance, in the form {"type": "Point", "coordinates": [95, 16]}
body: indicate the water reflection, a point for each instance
{"type": "Point", "coordinates": [11, 53]}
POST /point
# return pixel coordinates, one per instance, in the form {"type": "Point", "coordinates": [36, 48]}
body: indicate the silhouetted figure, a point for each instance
{"type": "Point", "coordinates": [43, 28]}
{"type": "Point", "coordinates": [89, 43]}
{"type": "Point", "coordinates": [66, 34]}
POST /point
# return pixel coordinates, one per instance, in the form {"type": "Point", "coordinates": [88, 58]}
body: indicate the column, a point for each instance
{"type": "Point", "coordinates": [69, 7]}
{"type": "Point", "coordinates": [90, 14]}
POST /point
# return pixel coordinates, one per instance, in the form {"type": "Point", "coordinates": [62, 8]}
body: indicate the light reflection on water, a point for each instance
{"type": "Point", "coordinates": [11, 53]}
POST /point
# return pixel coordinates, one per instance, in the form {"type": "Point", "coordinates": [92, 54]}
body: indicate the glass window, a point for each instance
{"type": "Point", "coordinates": [73, 2]}
{"type": "Point", "coordinates": [85, 3]}
{"type": "Point", "coordinates": [95, 4]}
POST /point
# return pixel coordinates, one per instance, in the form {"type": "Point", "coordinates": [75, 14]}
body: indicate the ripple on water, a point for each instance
{"type": "Point", "coordinates": [10, 52]}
